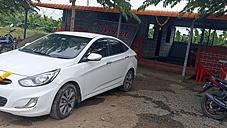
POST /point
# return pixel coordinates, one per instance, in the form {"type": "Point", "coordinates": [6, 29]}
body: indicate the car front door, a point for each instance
{"type": "Point", "coordinates": [97, 73]}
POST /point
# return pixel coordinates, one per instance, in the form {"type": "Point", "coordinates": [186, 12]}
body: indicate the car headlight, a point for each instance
{"type": "Point", "coordinates": [40, 79]}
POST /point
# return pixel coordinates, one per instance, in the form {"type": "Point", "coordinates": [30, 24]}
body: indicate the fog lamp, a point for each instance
{"type": "Point", "coordinates": [31, 103]}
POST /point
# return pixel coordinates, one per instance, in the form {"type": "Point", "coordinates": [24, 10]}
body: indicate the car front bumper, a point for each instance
{"type": "Point", "coordinates": [26, 101]}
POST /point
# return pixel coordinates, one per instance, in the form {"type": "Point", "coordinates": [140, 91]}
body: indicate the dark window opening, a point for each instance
{"type": "Point", "coordinates": [168, 35]}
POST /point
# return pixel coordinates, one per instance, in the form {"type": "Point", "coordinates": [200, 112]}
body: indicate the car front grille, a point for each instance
{"type": "Point", "coordinates": [2, 101]}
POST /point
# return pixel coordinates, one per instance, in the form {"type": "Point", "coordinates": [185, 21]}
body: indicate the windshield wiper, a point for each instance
{"type": "Point", "coordinates": [40, 53]}
{"type": "Point", "coordinates": [61, 57]}
{"type": "Point", "coordinates": [26, 50]}
{"type": "Point", "coordinates": [34, 52]}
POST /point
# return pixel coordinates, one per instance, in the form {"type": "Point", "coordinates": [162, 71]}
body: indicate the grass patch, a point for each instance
{"type": "Point", "coordinates": [19, 32]}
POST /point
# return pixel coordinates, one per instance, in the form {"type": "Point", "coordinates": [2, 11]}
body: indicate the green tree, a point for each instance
{"type": "Point", "coordinates": [35, 21]}
{"type": "Point", "coordinates": [204, 7]}
{"type": "Point", "coordinates": [14, 6]}
{"type": "Point", "coordinates": [214, 36]}
{"type": "Point", "coordinates": [184, 38]}
{"type": "Point", "coordinates": [197, 36]}
{"type": "Point", "coordinates": [222, 39]}
{"type": "Point", "coordinates": [123, 6]}
{"type": "Point", "coordinates": [177, 36]}
{"type": "Point", "coordinates": [151, 33]}
{"type": "Point", "coordinates": [214, 39]}
{"type": "Point", "coordinates": [205, 38]}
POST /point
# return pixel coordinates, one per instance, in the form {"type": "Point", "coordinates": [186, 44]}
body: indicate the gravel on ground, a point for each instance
{"type": "Point", "coordinates": [159, 99]}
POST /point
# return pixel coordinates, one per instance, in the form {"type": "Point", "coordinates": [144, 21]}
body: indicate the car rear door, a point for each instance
{"type": "Point", "coordinates": [119, 60]}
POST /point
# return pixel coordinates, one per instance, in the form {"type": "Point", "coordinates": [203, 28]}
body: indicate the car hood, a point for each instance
{"type": "Point", "coordinates": [28, 64]}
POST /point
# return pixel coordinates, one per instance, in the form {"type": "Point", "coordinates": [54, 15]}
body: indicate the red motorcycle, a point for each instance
{"type": "Point", "coordinates": [214, 104]}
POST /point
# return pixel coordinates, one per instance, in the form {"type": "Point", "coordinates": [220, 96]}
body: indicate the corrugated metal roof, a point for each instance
{"type": "Point", "coordinates": [145, 12]}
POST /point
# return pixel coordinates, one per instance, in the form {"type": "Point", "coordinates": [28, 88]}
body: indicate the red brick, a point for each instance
{"type": "Point", "coordinates": [210, 56]}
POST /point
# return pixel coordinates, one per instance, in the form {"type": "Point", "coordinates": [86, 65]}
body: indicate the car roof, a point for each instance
{"type": "Point", "coordinates": [82, 34]}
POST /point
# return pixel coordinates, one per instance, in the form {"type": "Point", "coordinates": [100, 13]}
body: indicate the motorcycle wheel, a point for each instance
{"type": "Point", "coordinates": [212, 110]}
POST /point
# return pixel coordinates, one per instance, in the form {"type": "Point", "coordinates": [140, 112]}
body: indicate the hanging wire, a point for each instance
{"type": "Point", "coordinates": [50, 12]}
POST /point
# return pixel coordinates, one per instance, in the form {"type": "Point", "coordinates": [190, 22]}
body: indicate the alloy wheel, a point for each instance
{"type": "Point", "coordinates": [67, 101]}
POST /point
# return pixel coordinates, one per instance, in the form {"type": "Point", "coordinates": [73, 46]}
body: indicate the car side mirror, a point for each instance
{"type": "Point", "coordinates": [94, 57]}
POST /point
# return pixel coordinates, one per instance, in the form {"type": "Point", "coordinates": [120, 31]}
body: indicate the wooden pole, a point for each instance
{"type": "Point", "coordinates": [25, 21]}
{"type": "Point", "coordinates": [73, 16]}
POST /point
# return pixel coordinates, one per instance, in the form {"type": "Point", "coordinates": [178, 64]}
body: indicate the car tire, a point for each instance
{"type": "Point", "coordinates": [64, 102]}
{"type": "Point", "coordinates": [128, 81]}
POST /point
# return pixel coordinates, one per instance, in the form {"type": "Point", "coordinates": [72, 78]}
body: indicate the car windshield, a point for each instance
{"type": "Point", "coordinates": [58, 46]}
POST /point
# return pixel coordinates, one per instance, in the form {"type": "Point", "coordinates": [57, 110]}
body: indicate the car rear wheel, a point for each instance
{"type": "Point", "coordinates": [64, 102]}
{"type": "Point", "coordinates": [128, 81]}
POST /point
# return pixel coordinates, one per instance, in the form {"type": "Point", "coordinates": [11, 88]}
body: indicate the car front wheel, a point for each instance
{"type": "Point", "coordinates": [128, 81]}
{"type": "Point", "coordinates": [64, 102]}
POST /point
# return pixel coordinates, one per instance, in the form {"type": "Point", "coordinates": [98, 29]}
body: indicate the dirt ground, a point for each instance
{"type": "Point", "coordinates": [159, 99]}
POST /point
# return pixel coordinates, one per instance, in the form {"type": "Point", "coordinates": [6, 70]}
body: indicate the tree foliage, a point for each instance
{"type": "Point", "coordinates": [204, 7]}
{"type": "Point", "coordinates": [215, 39]}
{"type": "Point", "coordinates": [123, 6]}
{"type": "Point", "coordinates": [35, 21]}
{"type": "Point", "coordinates": [150, 33]}
{"type": "Point", "coordinates": [14, 6]}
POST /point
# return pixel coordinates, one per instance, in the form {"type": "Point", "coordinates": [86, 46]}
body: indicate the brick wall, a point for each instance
{"type": "Point", "coordinates": [210, 56]}
{"type": "Point", "coordinates": [137, 45]}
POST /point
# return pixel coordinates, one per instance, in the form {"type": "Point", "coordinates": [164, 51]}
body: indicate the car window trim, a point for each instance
{"type": "Point", "coordinates": [83, 58]}
{"type": "Point", "coordinates": [111, 49]}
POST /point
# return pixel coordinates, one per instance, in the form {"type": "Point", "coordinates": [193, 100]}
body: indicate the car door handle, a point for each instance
{"type": "Point", "coordinates": [109, 62]}
{"type": "Point", "coordinates": [126, 57]}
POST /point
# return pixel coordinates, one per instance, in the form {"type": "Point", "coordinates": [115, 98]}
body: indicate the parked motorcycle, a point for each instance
{"type": "Point", "coordinates": [214, 104]}
{"type": "Point", "coordinates": [7, 42]}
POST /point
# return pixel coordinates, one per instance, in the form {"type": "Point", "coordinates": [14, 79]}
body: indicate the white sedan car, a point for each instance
{"type": "Point", "coordinates": [54, 73]}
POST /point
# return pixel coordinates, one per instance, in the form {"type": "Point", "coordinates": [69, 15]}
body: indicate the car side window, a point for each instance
{"type": "Point", "coordinates": [100, 47]}
{"type": "Point", "coordinates": [117, 47]}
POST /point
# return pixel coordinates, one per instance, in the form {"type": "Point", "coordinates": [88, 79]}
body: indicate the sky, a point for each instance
{"type": "Point", "coordinates": [135, 4]}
